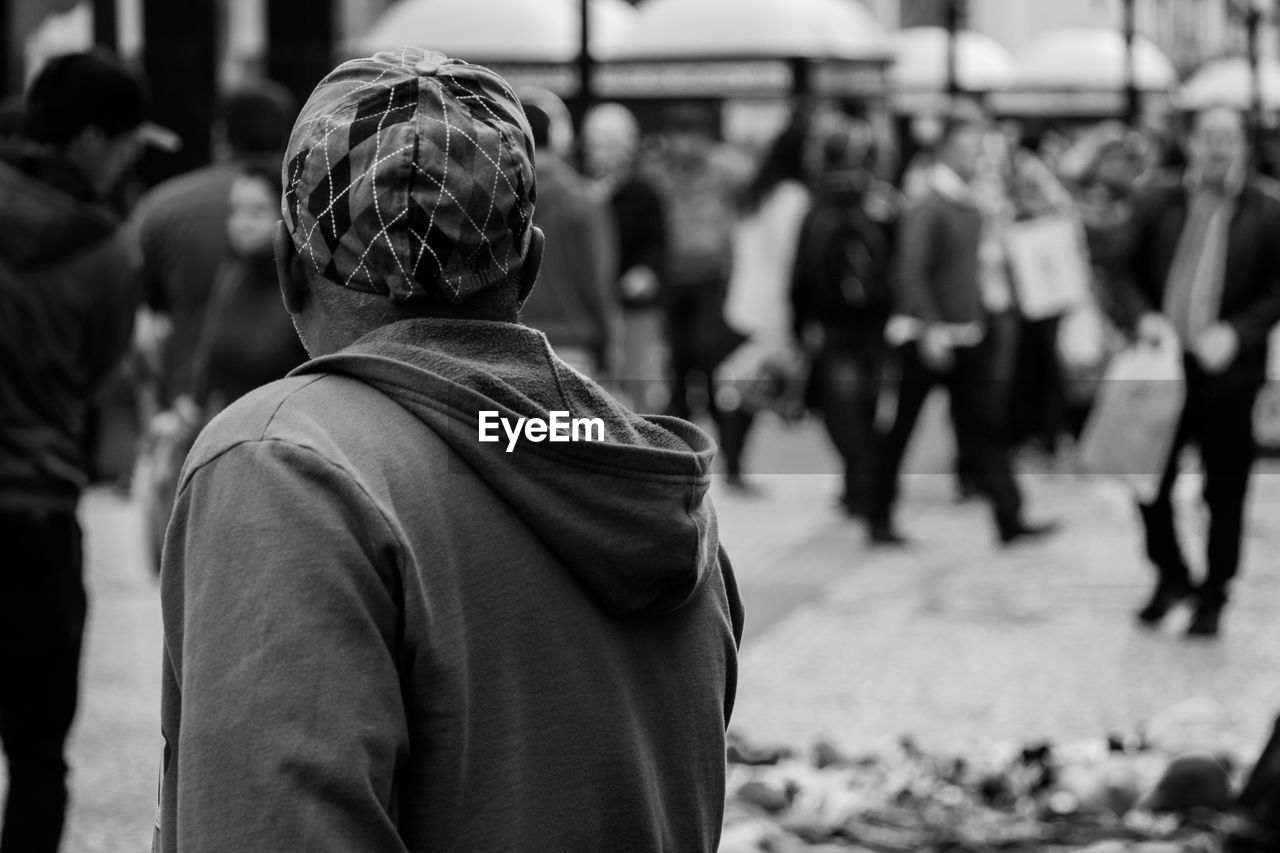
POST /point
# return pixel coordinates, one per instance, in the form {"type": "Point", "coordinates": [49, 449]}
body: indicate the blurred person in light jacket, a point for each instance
{"type": "Point", "coordinates": [757, 304]}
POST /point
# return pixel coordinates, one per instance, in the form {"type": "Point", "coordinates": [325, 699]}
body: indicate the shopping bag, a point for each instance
{"type": "Point", "coordinates": [1266, 417]}
{"type": "Point", "coordinates": [162, 451]}
{"type": "Point", "coordinates": [1131, 430]}
{"type": "Point", "coordinates": [1049, 265]}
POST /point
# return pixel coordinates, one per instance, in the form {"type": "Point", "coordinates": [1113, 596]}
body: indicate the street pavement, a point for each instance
{"type": "Point", "coordinates": [953, 641]}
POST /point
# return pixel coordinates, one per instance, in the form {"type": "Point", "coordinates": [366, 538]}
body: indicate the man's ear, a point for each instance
{"type": "Point", "coordinates": [293, 285]}
{"type": "Point", "coordinates": [532, 263]}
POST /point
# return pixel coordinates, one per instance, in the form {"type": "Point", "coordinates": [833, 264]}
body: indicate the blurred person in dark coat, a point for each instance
{"type": "Point", "coordinates": [575, 304]}
{"type": "Point", "coordinates": [700, 182]}
{"type": "Point", "coordinates": [941, 331]}
{"type": "Point", "coordinates": [181, 224]}
{"type": "Point", "coordinates": [251, 340]}
{"type": "Point", "coordinates": [611, 141]}
{"type": "Point", "coordinates": [1205, 260]}
{"type": "Point", "coordinates": [841, 297]}
{"type": "Point", "coordinates": [68, 291]}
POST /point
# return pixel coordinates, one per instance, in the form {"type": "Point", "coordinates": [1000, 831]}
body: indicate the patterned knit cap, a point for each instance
{"type": "Point", "coordinates": [411, 175]}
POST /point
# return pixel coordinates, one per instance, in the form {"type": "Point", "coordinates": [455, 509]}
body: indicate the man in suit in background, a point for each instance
{"type": "Point", "coordinates": [1205, 259]}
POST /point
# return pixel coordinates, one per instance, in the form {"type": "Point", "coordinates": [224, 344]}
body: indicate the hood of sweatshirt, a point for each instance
{"type": "Point", "coordinates": [45, 217]}
{"type": "Point", "coordinates": [628, 515]}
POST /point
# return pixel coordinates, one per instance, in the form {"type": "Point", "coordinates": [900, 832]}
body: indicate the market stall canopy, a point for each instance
{"type": "Point", "coordinates": [747, 47]}
{"type": "Point", "coordinates": [920, 61]}
{"type": "Point", "coordinates": [1229, 82]}
{"type": "Point", "coordinates": [918, 78]}
{"type": "Point", "coordinates": [738, 29]}
{"type": "Point", "coordinates": [1082, 71]}
{"type": "Point", "coordinates": [497, 31]}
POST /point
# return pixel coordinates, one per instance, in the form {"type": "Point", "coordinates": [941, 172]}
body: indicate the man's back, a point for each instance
{"type": "Point", "coordinates": [181, 226]}
{"type": "Point", "coordinates": [450, 646]}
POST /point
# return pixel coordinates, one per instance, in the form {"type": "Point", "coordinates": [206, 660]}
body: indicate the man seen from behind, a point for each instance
{"type": "Point", "coordinates": [382, 633]}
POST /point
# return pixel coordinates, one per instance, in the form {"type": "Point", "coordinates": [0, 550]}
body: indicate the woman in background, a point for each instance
{"type": "Point", "coordinates": [757, 305]}
{"type": "Point", "coordinates": [247, 339]}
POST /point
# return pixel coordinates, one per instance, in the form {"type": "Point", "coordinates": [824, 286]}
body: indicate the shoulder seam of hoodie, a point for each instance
{"type": "Point", "coordinates": [305, 449]}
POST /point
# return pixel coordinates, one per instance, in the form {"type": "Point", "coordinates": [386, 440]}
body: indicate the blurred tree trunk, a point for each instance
{"type": "Point", "coordinates": [180, 59]}
{"type": "Point", "coordinates": [300, 44]}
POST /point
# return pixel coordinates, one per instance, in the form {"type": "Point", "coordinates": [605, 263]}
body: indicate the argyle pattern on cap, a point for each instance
{"type": "Point", "coordinates": [411, 175]}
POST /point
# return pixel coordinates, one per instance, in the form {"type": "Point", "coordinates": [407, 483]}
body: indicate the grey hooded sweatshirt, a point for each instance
{"type": "Point", "coordinates": [384, 634]}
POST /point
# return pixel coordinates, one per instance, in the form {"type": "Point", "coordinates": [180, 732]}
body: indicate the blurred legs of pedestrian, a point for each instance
{"type": "Point", "coordinates": [733, 425]}
{"type": "Point", "coordinates": [642, 374]}
{"type": "Point", "coordinates": [42, 617]}
{"type": "Point", "coordinates": [1003, 338]}
{"type": "Point", "coordinates": [1221, 427]}
{"type": "Point", "coordinates": [692, 311]}
{"type": "Point", "coordinates": [968, 386]}
{"type": "Point", "coordinates": [1037, 411]}
{"type": "Point", "coordinates": [848, 384]}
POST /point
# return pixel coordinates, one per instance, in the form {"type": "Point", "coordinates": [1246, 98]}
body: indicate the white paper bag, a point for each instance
{"type": "Point", "coordinates": [1050, 268]}
{"type": "Point", "coordinates": [1134, 422]}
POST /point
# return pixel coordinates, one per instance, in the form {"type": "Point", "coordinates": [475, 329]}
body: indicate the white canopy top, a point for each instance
{"type": "Point", "coordinates": [920, 61]}
{"type": "Point", "coordinates": [1090, 60]}
{"type": "Point", "coordinates": [1228, 81]}
{"type": "Point", "coordinates": [753, 29]}
{"type": "Point", "coordinates": [498, 30]}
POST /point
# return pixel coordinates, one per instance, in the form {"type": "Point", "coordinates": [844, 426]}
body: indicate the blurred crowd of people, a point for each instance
{"type": "Point", "coordinates": [687, 275]}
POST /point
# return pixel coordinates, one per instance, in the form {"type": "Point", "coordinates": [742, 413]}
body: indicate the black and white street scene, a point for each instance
{"type": "Point", "coordinates": [731, 426]}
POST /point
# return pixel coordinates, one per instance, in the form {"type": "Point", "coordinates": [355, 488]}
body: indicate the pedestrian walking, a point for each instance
{"type": "Point", "coordinates": [385, 631]}
{"type": "Point", "coordinates": [181, 225]}
{"type": "Point", "coordinates": [757, 304]}
{"type": "Point", "coordinates": [841, 297]}
{"type": "Point", "coordinates": [700, 182]}
{"type": "Point", "coordinates": [611, 149]}
{"type": "Point", "coordinates": [68, 290]}
{"type": "Point", "coordinates": [576, 307]}
{"type": "Point", "coordinates": [1205, 261]}
{"type": "Point", "coordinates": [940, 334]}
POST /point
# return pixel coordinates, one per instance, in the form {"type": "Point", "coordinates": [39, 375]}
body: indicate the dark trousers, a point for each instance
{"type": "Point", "coordinates": [732, 428]}
{"type": "Point", "coordinates": [42, 617]}
{"type": "Point", "coordinates": [699, 340]}
{"type": "Point", "coordinates": [969, 385]}
{"type": "Point", "coordinates": [1221, 427]}
{"type": "Point", "coordinates": [848, 387]}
